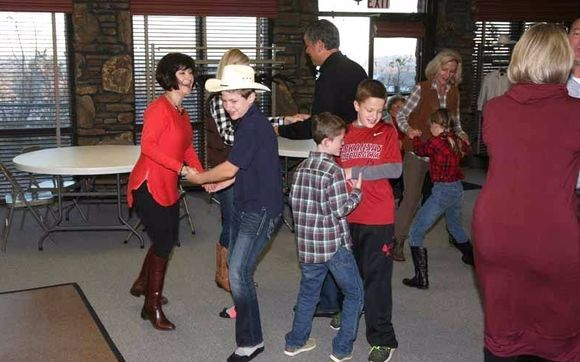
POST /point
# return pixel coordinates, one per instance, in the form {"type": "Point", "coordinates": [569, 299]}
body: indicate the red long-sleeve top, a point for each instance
{"type": "Point", "coordinates": [166, 143]}
{"type": "Point", "coordinates": [443, 162]}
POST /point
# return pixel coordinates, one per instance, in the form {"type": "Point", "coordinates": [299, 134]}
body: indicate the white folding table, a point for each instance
{"type": "Point", "coordinates": [82, 161]}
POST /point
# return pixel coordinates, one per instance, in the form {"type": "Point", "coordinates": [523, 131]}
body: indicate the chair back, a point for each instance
{"type": "Point", "coordinates": [16, 188]}
{"type": "Point", "coordinates": [20, 197]}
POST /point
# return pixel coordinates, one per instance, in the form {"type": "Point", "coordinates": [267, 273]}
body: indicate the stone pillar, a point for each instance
{"type": "Point", "coordinates": [103, 72]}
{"type": "Point", "coordinates": [289, 25]}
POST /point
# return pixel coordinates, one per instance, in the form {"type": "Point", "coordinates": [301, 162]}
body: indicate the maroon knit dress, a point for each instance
{"type": "Point", "coordinates": [526, 229]}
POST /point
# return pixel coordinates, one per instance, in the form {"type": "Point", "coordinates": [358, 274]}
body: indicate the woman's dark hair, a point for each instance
{"type": "Point", "coordinates": [169, 65]}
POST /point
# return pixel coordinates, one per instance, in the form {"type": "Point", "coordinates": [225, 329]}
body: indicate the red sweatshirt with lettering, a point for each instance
{"type": "Point", "coordinates": [368, 147]}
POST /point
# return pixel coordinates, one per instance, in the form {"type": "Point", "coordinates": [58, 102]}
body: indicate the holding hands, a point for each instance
{"type": "Point", "coordinates": [193, 176]}
{"type": "Point", "coordinates": [355, 184]}
{"type": "Point", "coordinates": [412, 133]}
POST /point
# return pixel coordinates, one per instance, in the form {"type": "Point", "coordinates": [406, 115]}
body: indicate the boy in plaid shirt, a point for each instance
{"type": "Point", "coordinates": [320, 202]}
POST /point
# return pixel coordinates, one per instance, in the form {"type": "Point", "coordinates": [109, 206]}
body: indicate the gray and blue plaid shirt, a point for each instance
{"type": "Point", "coordinates": [320, 202]}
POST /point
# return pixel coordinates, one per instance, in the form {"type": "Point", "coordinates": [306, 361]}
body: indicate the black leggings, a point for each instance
{"type": "Point", "coordinates": [161, 222]}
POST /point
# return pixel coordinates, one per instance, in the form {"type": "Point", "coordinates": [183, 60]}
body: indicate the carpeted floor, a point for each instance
{"type": "Point", "coordinates": [52, 323]}
{"type": "Point", "coordinates": [443, 323]}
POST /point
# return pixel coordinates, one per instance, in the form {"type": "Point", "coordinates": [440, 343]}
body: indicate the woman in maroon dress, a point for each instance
{"type": "Point", "coordinates": [525, 227]}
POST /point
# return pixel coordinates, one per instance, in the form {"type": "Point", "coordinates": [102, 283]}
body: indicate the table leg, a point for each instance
{"type": "Point", "coordinates": [48, 230]}
{"type": "Point", "coordinates": [120, 214]}
{"type": "Point", "coordinates": [286, 190]}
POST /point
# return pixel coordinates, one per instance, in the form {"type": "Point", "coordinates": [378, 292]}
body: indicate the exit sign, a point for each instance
{"type": "Point", "coordinates": [378, 4]}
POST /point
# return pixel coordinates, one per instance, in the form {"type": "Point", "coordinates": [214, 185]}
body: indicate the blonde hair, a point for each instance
{"type": "Point", "coordinates": [232, 56]}
{"type": "Point", "coordinates": [542, 55]}
{"type": "Point", "coordinates": [443, 57]}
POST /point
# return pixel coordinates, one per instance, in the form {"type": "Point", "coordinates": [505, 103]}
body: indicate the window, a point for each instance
{"type": "Point", "coordinates": [35, 99]}
{"type": "Point", "coordinates": [383, 44]}
{"type": "Point", "coordinates": [395, 64]}
{"type": "Point", "coordinates": [354, 45]}
{"type": "Point", "coordinates": [203, 38]}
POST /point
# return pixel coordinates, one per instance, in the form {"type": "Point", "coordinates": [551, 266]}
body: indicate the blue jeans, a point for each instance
{"type": "Point", "coordinates": [343, 268]}
{"type": "Point", "coordinates": [446, 198]}
{"type": "Point", "coordinates": [226, 199]}
{"type": "Point", "coordinates": [330, 297]}
{"type": "Point", "coordinates": [251, 233]}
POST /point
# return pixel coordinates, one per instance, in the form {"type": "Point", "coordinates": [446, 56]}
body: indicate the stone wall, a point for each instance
{"type": "Point", "coordinates": [103, 72]}
{"type": "Point", "coordinates": [289, 25]}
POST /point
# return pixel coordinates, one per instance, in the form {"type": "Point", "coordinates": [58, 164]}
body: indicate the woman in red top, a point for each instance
{"type": "Point", "coordinates": [166, 154]}
{"type": "Point", "coordinates": [526, 232]}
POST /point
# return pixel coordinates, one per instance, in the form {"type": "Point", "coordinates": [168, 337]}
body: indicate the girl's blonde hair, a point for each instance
{"type": "Point", "coordinates": [543, 55]}
{"type": "Point", "coordinates": [443, 117]}
{"type": "Point", "coordinates": [232, 56]}
{"type": "Point", "coordinates": [443, 57]}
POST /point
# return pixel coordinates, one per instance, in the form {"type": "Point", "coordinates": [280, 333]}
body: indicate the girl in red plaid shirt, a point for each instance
{"type": "Point", "coordinates": [445, 150]}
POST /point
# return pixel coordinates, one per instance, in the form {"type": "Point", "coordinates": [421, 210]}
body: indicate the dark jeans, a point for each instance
{"type": "Point", "coordinates": [251, 233]}
{"type": "Point", "coordinates": [344, 269]}
{"type": "Point", "coordinates": [226, 199]}
{"type": "Point", "coordinates": [372, 245]}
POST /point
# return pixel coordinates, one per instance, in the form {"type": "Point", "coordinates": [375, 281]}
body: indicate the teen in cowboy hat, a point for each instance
{"type": "Point", "coordinates": [254, 163]}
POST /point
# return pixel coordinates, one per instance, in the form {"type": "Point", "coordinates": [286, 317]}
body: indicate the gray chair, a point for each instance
{"type": "Point", "coordinates": [27, 200]}
{"type": "Point", "coordinates": [48, 183]}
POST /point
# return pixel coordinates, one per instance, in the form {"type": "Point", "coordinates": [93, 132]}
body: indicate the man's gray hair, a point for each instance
{"type": "Point", "coordinates": [325, 31]}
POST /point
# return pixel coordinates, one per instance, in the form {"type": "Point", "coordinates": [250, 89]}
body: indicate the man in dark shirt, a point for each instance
{"type": "Point", "coordinates": [337, 80]}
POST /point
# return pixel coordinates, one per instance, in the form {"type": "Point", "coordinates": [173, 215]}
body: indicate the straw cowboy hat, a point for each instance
{"type": "Point", "coordinates": [235, 77]}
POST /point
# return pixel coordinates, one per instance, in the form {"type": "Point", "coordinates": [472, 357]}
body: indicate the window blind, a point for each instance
{"type": "Point", "coordinates": [527, 10]}
{"type": "Point", "coordinates": [488, 56]}
{"type": "Point", "coordinates": [60, 6]}
{"type": "Point", "coordinates": [403, 29]}
{"type": "Point", "coordinates": [259, 8]}
{"type": "Point", "coordinates": [35, 74]}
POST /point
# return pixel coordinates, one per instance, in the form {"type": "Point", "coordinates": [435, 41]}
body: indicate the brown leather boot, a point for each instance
{"type": "Point", "coordinates": [140, 284]}
{"type": "Point", "coordinates": [152, 307]}
{"type": "Point", "coordinates": [222, 278]}
{"type": "Point", "coordinates": [398, 250]}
